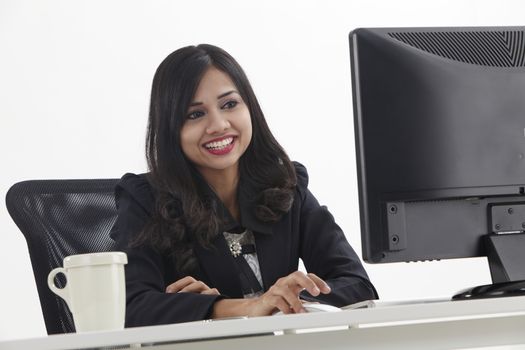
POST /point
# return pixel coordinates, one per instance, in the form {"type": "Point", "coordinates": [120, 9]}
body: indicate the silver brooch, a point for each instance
{"type": "Point", "coordinates": [236, 249]}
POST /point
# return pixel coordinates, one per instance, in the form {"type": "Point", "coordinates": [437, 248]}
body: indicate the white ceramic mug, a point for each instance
{"type": "Point", "coordinates": [95, 290]}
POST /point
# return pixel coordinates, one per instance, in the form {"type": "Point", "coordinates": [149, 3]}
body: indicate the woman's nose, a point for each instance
{"type": "Point", "coordinates": [217, 123]}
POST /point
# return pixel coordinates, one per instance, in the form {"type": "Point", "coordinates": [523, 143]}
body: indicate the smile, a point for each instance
{"type": "Point", "coordinates": [219, 144]}
{"type": "Point", "coordinates": [220, 147]}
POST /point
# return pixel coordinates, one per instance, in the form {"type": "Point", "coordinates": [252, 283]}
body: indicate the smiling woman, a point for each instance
{"type": "Point", "coordinates": [218, 225]}
{"type": "Point", "coordinates": [218, 131]}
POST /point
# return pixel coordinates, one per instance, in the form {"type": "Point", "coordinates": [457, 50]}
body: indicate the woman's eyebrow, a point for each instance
{"type": "Point", "coordinates": [226, 94]}
{"type": "Point", "coordinates": [196, 103]}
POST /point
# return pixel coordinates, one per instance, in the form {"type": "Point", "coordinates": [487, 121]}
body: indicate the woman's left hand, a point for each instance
{"type": "Point", "coordinates": [189, 284]}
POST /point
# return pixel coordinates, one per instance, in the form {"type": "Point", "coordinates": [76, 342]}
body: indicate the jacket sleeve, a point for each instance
{"type": "Point", "coordinates": [326, 252]}
{"type": "Point", "coordinates": [146, 300]}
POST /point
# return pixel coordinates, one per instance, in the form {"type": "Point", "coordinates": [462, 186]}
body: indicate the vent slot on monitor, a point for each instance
{"type": "Point", "coordinates": [485, 48]}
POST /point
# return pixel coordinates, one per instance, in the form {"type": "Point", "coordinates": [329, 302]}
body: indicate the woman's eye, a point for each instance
{"type": "Point", "coordinates": [195, 115]}
{"type": "Point", "coordinates": [230, 104]}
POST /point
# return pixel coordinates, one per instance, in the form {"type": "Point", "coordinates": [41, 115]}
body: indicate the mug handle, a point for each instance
{"type": "Point", "coordinates": [61, 292]}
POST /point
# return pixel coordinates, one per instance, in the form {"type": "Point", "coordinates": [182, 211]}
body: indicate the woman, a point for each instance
{"type": "Point", "coordinates": [218, 225]}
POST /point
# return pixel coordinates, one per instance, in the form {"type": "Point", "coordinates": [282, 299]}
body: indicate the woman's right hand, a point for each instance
{"type": "Point", "coordinates": [190, 284]}
{"type": "Point", "coordinates": [284, 294]}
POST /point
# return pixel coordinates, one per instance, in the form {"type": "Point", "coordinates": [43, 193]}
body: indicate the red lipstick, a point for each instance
{"type": "Point", "coordinates": [221, 150]}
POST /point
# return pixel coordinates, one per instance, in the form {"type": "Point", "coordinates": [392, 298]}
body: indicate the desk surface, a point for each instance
{"type": "Point", "coordinates": [471, 323]}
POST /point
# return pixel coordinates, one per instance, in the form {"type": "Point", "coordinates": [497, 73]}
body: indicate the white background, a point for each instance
{"type": "Point", "coordinates": [74, 89]}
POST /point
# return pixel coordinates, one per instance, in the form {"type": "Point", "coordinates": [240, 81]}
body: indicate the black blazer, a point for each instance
{"type": "Point", "coordinates": [308, 231]}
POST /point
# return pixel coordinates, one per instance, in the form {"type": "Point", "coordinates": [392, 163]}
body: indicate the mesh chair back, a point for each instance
{"type": "Point", "coordinates": [60, 218]}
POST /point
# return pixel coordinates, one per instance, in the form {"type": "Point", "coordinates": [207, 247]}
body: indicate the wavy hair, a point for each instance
{"type": "Point", "coordinates": [183, 216]}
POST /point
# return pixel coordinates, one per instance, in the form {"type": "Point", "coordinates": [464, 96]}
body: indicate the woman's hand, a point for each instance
{"type": "Point", "coordinates": [284, 294]}
{"type": "Point", "coordinates": [190, 284]}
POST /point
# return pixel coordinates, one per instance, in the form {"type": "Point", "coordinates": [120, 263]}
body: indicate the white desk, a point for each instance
{"type": "Point", "coordinates": [422, 325]}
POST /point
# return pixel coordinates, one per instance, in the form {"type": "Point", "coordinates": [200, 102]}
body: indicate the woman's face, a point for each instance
{"type": "Point", "coordinates": [218, 128]}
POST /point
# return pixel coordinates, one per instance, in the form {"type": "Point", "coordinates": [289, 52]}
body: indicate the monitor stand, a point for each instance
{"type": "Point", "coordinates": [495, 290]}
{"type": "Point", "coordinates": [506, 256]}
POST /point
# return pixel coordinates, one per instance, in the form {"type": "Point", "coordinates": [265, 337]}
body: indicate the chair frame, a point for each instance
{"type": "Point", "coordinates": [28, 213]}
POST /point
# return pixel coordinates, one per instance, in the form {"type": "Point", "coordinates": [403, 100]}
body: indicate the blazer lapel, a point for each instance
{"type": "Point", "coordinates": [272, 247]}
{"type": "Point", "coordinates": [218, 265]}
{"type": "Point", "coordinates": [272, 253]}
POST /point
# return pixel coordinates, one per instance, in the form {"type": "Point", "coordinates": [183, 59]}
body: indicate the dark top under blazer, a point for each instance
{"type": "Point", "coordinates": [308, 231]}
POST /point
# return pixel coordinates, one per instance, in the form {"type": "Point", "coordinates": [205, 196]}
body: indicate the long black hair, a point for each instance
{"type": "Point", "coordinates": [182, 215]}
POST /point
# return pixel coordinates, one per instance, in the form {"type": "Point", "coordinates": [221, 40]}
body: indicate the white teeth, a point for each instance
{"type": "Point", "coordinates": [219, 144]}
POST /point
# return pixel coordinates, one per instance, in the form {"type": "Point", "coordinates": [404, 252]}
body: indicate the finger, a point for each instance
{"type": "Point", "coordinates": [309, 302]}
{"type": "Point", "coordinates": [195, 287]}
{"type": "Point", "coordinates": [321, 284]}
{"type": "Point", "coordinates": [296, 289]}
{"type": "Point", "coordinates": [281, 304]}
{"type": "Point", "coordinates": [180, 284]}
{"type": "Point", "coordinates": [292, 299]}
{"type": "Point", "coordinates": [298, 278]}
{"type": "Point", "coordinates": [211, 291]}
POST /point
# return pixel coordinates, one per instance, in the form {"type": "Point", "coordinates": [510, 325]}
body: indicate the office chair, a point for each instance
{"type": "Point", "coordinates": [60, 218]}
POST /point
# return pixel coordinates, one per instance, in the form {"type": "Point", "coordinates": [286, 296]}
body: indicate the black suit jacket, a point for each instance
{"type": "Point", "coordinates": [308, 232]}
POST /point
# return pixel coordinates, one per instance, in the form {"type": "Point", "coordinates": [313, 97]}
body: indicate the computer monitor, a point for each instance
{"type": "Point", "coordinates": [439, 117]}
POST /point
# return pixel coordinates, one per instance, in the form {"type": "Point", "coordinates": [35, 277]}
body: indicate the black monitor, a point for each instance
{"type": "Point", "coordinates": [439, 117]}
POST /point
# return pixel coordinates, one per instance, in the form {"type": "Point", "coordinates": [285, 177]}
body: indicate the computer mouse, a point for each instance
{"type": "Point", "coordinates": [316, 307]}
